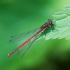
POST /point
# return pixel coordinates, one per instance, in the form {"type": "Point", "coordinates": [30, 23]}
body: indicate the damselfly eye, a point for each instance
{"type": "Point", "coordinates": [50, 21]}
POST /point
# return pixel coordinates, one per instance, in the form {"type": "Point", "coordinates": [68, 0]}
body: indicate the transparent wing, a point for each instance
{"type": "Point", "coordinates": [23, 50]}
{"type": "Point", "coordinates": [30, 45]}
{"type": "Point", "coordinates": [22, 35]}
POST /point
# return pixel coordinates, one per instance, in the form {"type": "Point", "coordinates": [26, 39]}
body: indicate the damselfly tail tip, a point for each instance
{"type": "Point", "coordinates": [8, 55]}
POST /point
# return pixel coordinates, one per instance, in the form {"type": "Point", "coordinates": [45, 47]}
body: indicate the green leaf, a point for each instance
{"type": "Point", "coordinates": [67, 9]}
{"type": "Point", "coordinates": [61, 23]}
{"type": "Point", "coordinates": [59, 15]}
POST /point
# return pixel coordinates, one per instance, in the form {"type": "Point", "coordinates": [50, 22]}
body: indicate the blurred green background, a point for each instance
{"type": "Point", "coordinates": [18, 16]}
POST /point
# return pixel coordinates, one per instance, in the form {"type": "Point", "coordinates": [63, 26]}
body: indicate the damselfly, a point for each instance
{"type": "Point", "coordinates": [38, 31]}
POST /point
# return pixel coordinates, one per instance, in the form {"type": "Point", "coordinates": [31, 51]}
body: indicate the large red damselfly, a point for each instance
{"type": "Point", "coordinates": [39, 30]}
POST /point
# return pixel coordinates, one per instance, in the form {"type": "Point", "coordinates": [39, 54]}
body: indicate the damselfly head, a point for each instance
{"type": "Point", "coordinates": [49, 21]}
{"type": "Point", "coordinates": [46, 24]}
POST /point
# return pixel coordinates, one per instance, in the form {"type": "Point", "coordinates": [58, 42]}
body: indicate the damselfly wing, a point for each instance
{"type": "Point", "coordinates": [22, 36]}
